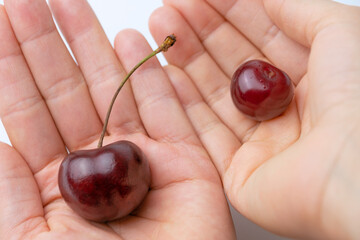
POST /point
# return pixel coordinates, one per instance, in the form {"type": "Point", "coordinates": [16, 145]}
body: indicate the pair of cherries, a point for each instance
{"type": "Point", "coordinates": [109, 182]}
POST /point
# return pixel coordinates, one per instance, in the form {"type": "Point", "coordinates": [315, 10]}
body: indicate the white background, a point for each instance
{"type": "Point", "coordinates": [116, 15]}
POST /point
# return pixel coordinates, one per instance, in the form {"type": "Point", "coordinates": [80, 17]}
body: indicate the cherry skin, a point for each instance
{"type": "Point", "coordinates": [260, 90]}
{"type": "Point", "coordinates": [106, 183]}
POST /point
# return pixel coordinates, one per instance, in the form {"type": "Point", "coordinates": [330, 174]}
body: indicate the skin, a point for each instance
{"type": "Point", "coordinates": [48, 102]}
{"type": "Point", "coordinates": [296, 175]}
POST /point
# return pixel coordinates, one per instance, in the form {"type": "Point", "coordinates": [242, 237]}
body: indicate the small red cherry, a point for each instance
{"type": "Point", "coordinates": [260, 90]}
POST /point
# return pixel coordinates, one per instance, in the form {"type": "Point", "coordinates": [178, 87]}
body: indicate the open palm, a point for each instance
{"type": "Point", "coordinates": [296, 174]}
{"type": "Point", "coordinates": [49, 104]}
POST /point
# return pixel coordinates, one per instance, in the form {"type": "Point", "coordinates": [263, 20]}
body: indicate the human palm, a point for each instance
{"type": "Point", "coordinates": [50, 104]}
{"type": "Point", "coordinates": [296, 174]}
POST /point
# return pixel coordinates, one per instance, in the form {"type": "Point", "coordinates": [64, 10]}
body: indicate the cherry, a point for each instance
{"type": "Point", "coordinates": [260, 90]}
{"type": "Point", "coordinates": [106, 183]}
{"type": "Point", "coordinates": [109, 182]}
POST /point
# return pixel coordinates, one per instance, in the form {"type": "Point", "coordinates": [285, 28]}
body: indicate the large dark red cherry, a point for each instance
{"type": "Point", "coordinates": [106, 183]}
{"type": "Point", "coordinates": [260, 90]}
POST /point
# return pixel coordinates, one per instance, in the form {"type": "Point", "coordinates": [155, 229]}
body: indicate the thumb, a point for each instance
{"type": "Point", "coordinates": [303, 20]}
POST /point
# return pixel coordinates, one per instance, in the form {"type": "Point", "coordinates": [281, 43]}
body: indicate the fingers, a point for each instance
{"type": "Point", "coordinates": [56, 74]}
{"type": "Point", "coordinates": [25, 116]}
{"type": "Point", "coordinates": [190, 55]}
{"type": "Point", "coordinates": [160, 111]}
{"type": "Point", "coordinates": [226, 45]}
{"type": "Point", "coordinates": [332, 31]}
{"type": "Point", "coordinates": [21, 207]}
{"type": "Point", "coordinates": [98, 62]}
{"type": "Point", "coordinates": [251, 19]}
{"type": "Point", "coordinates": [219, 141]}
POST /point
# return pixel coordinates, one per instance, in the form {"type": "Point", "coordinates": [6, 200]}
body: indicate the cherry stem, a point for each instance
{"type": "Point", "coordinates": [168, 42]}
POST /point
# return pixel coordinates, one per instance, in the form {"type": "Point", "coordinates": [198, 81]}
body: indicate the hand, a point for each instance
{"type": "Point", "coordinates": [49, 103]}
{"type": "Point", "coordinates": [296, 175]}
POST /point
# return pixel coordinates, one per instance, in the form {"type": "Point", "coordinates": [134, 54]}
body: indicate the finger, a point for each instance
{"type": "Point", "coordinates": [23, 112]}
{"type": "Point", "coordinates": [189, 54]}
{"type": "Point", "coordinates": [219, 141]}
{"type": "Point", "coordinates": [21, 208]}
{"type": "Point", "coordinates": [160, 111]}
{"type": "Point", "coordinates": [55, 72]}
{"type": "Point", "coordinates": [98, 62]}
{"type": "Point", "coordinates": [251, 19]}
{"type": "Point", "coordinates": [303, 20]}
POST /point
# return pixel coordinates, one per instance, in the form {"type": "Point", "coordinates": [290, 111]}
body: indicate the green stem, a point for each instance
{"type": "Point", "coordinates": [168, 42]}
